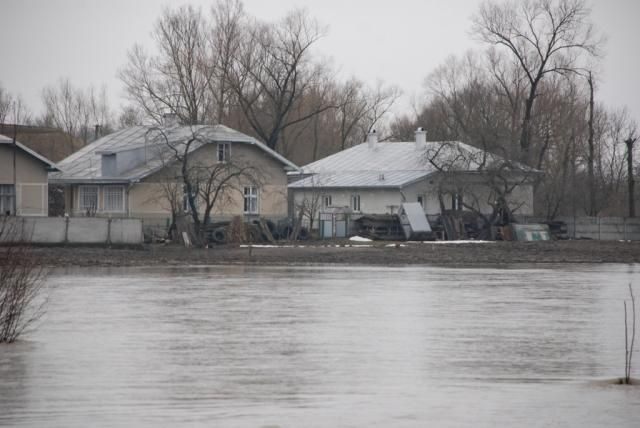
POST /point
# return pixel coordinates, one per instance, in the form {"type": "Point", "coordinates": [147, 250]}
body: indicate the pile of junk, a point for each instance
{"type": "Point", "coordinates": [411, 223]}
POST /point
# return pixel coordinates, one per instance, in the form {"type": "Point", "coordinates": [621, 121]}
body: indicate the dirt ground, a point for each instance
{"type": "Point", "coordinates": [357, 253]}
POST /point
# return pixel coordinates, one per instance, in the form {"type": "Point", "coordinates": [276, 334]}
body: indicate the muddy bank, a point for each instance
{"type": "Point", "coordinates": [375, 253]}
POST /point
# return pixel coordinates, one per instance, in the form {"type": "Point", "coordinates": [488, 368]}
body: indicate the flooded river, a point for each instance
{"type": "Point", "coordinates": [325, 347]}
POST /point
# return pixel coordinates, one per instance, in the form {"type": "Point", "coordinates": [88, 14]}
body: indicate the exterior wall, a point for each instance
{"type": "Point", "coordinates": [72, 201]}
{"type": "Point", "coordinates": [387, 201]}
{"type": "Point", "coordinates": [473, 192]}
{"type": "Point", "coordinates": [147, 199]}
{"type": "Point", "coordinates": [372, 201]}
{"type": "Point", "coordinates": [31, 181]}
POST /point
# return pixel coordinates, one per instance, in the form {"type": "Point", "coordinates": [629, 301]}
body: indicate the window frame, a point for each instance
{"type": "Point", "coordinates": [355, 202]}
{"type": "Point", "coordinates": [226, 152]}
{"type": "Point", "coordinates": [82, 189]}
{"type": "Point", "coordinates": [326, 201]}
{"type": "Point", "coordinates": [251, 194]}
{"type": "Point", "coordinates": [105, 190]}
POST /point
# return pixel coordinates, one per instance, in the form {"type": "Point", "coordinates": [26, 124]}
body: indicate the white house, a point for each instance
{"type": "Point", "coordinates": [376, 177]}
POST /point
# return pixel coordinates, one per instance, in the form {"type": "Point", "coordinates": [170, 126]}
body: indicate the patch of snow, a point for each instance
{"type": "Point", "coordinates": [458, 242]}
{"type": "Point", "coordinates": [396, 245]}
{"type": "Point", "coordinates": [359, 239]}
{"type": "Point", "coordinates": [266, 246]}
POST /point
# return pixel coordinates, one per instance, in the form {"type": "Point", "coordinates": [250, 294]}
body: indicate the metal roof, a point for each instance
{"type": "Point", "coordinates": [390, 164]}
{"type": "Point", "coordinates": [85, 164]}
{"type": "Point", "coordinates": [352, 179]}
{"type": "Point", "coordinates": [9, 141]}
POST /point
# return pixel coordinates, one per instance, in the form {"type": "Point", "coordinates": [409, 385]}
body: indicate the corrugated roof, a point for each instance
{"type": "Point", "coordinates": [400, 164]}
{"type": "Point", "coordinates": [7, 140]}
{"type": "Point", "coordinates": [85, 164]}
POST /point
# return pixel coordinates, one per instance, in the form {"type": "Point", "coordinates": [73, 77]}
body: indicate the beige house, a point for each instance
{"type": "Point", "coordinates": [23, 189]}
{"type": "Point", "coordinates": [136, 173]}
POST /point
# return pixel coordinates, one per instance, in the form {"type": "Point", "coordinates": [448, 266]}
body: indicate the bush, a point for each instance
{"type": "Point", "coordinates": [21, 282]}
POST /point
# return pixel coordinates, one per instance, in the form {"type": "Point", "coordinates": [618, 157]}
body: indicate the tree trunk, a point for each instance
{"type": "Point", "coordinates": [632, 203]}
{"type": "Point", "coordinates": [525, 135]}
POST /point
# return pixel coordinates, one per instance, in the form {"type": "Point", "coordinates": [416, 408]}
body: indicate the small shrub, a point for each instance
{"type": "Point", "coordinates": [21, 282]}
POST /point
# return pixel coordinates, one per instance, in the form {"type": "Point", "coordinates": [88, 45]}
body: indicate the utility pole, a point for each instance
{"type": "Point", "coordinates": [591, 156]}
{"type": "Point", "coordinates": [15, 181]}
{"type": "Point", "coordinates": [632, 203]}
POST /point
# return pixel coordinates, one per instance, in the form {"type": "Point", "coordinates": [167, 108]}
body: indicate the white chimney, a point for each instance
{"type": "Point", "coordinates": [421, 137]}
{"type": "Point", "coordinates": [169, 120]}
{"type": "Point", "coordinates": [372, 139]}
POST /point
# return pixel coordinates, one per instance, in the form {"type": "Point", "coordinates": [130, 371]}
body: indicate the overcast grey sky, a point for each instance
{"type": "Point", "coordinates": [397, 41]}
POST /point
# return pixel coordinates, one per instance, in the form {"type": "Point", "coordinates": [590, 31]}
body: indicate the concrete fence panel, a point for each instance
{"type": "Point", "coordinates": [125, 231]}
{"type": "Point", "coordinates": [88, 230]}
{"type": "Point", "coordinates": [586, 227]}
{"type": "Point", "coordinates": [598, 228]}
{"type": "Point", "coordinates": [71, 230]}
{"type": "Point", "coordinates": [45, 230]}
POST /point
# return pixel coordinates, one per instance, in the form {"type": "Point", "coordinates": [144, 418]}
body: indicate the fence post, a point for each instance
{"type": "Point", "coordinates": [108, 231]}
{"type": "Point", "coordinates": [599, 236]}
{"type": "Point", "coordinates": [66, 230]}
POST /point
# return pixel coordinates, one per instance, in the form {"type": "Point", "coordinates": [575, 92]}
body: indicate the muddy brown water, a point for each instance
{"type": "Point", "coordinates": [325, 346]}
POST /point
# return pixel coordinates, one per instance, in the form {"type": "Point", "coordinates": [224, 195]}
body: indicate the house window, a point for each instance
{"type": "Point", "coordinates": [251, 200]}
{"type": "Point", "coordinates": [326, 201]}
{"type": "Point", "coordinates": [88, 199]}
{"type": "Point", "coordinates": [456, 202]}
{"type": "Point", "coordinates": [114, 198]}
{"type": "Point", "coordinates": [7, 195]}
{"type": "Point", "coordinates": [421, 200]}
{"type": "Point", "coordinates": [355, 203]}
{"type": "Point", "coordinates": [224, 152]}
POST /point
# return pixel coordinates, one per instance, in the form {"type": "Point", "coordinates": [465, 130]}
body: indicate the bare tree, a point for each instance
{"type": "Point", "coordinates": [206, 184]}
{"type": "Point", "coordinates": [274, 71]}
{"type": "Point", "coordinates": [129, 116]}
{"type": "Point", "coordinates": [6, 99]}
{"type": "Point", "coordinates": [544, 36]}
{"type": "Point", "coordinates": [631, 186]}
{"type": "Point", "coordinates": [629, 338]}
{"type": "Point", "coordinates": [225, 36]}
{"type": "Point", "coordinates": [13, 109]}
{"type": "Point", "coordinates": [21, 282]}
{"type": "Point", "coordinates": [76, 111]}
{"type": "Point", "coordinates": [176, 80]}
{"type": "Point", "coordinates": [478, 180]}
